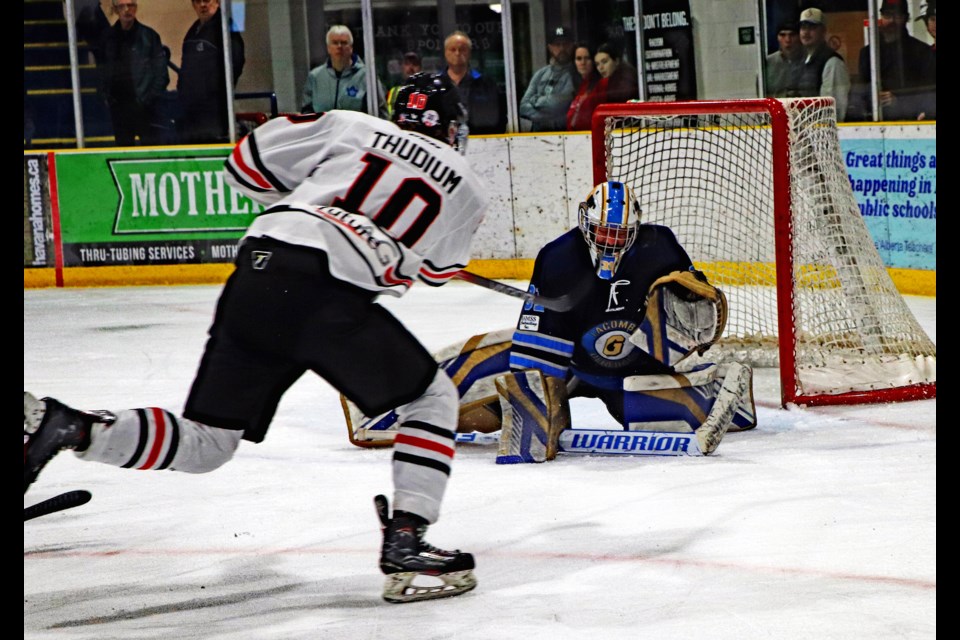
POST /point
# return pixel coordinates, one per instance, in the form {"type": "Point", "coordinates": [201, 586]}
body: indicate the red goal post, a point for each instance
{"type": "Point", "coordinates": [758, 194]}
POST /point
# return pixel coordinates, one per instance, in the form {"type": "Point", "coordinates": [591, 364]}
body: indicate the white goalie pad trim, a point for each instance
{"type": "Point", "coordinates": [693, 378]}
{"type": "Point", "coordinates": [477, 437]}
{"type": "Point", "coordinates": [491, 338]}
{"type": "Point", "coordinates": [668, 426]}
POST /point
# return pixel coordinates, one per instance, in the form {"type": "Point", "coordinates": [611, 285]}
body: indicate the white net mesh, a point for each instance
{"type": "Point", "coordinates": [710, 176]}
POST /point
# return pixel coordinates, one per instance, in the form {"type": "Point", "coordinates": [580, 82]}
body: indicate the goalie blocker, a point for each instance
{"type": "Point", "coordinates": [686, 413]}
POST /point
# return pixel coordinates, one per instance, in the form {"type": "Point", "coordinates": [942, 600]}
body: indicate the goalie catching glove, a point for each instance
{"type": "Point", "coordinates": [685, 314]}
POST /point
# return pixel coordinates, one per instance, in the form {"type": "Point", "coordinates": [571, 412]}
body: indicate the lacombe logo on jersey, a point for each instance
{"type": "Point", "coordinates": [183, 195]}
{"type": "Point", "coordinates": [650, 443]}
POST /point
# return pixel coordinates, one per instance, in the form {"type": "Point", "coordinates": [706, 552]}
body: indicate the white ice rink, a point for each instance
{"type": "Point", "coordinates": [820, 524]}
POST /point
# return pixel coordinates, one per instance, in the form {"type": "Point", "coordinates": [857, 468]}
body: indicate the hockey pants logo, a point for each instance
{"type": "Point", "coordinates": [260, 259]}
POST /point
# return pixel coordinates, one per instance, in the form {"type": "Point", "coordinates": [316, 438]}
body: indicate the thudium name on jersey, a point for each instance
{"type": "Point", "coordinates": [418, 156]}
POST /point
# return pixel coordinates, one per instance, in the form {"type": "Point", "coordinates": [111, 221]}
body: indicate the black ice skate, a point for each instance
{"type": "Point", "coordinates": [405, 556]}
{"type": "Point", "coordinates": [48, 427]}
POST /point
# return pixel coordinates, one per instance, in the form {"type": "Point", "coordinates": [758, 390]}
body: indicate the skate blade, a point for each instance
{"type": "Point", "coordinates": [399, 587]}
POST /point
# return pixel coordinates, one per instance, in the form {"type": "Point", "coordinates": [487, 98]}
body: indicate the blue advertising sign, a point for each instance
{"type": "Point", "coordinates": [894, 180]}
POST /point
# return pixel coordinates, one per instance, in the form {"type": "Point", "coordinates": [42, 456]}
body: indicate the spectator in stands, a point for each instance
{"type": "Point", "coordinates": [618, 78]}
{"type": "Point", "coordinates": [410, 64]}
{"type": "Point", "coordinates": [92, 23]}
{"type": "Point", "coordinates": [587, 97]}
{"type": "Point", "coordinates": [907, 69]}
{"type": "Point", "coordinates": [785, 65]}
{"type": "Point", "coordinates": [202, 86]}
{"type": "Point", "coordinates": [929, 17]}
{"type": "Point", "coordinates": [133, 76]}
{"type": "Point", "coordinates": [824, 73]}
{"type": "Point", "coordinates": [486, 109]}
{"type": "Point", "coordinates": [340, 82]}
{"type": "Point", "coordinates": [552, 87]}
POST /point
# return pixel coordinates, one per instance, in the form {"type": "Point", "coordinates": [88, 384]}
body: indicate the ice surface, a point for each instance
{"type": "Point", "coordinates": [820, 523]}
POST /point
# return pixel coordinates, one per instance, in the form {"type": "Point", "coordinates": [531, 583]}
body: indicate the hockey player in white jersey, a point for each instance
{"type": "Point", "coordinates": [359, 207]}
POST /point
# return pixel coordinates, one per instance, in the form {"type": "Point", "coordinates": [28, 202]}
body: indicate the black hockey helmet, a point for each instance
{"type": "Point", "coordinates": [429, 103]}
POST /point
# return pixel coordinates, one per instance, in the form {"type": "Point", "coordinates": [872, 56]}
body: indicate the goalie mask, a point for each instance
{"type": "Point", "coordinates": [429, 103]}
{"type": "Point", "coordinates": [609, 219]}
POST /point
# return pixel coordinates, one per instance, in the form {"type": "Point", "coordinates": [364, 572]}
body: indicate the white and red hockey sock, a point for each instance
{"type": "Point", "coordinates": [152, 438]}
{"type": "Point", "coordinates": [422, 455]}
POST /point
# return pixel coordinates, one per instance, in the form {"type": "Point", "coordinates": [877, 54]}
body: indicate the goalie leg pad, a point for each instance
{"type": "Point", "coordinates": [745, 417]}
{"type": "Point", "coordinates": [708, 399]}
{"type": "Point", "coordinates": [737, 386]}
{"type": "Point", "coordinates": [535, 410]}
{"type": "Point", "coordinates": [677, 402]}
{"type": "Point", "coordinates": [472, 365]}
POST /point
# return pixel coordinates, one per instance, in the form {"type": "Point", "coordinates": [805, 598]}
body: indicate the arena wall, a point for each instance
{"type": "Point", "coordinates": [129, 217]}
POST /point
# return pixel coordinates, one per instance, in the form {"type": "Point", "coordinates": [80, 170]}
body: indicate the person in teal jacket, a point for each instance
{"type": "Point", "coordinates": [340, 82]}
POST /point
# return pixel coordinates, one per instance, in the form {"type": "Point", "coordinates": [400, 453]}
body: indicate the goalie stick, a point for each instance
{"type": "Point", "coordinates": [67, 500]}
{"type": "Point", "coordinates": [561, 303]}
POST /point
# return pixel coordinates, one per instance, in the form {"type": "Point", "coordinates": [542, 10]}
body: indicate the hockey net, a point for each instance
{"type": "Point", "coordinates": [758, 194]}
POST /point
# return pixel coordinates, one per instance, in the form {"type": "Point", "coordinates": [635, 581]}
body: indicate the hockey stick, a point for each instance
{"type": "Point", "coordinates": [561, 303]}
{"type": "Point", "coordinates": [67, 500]}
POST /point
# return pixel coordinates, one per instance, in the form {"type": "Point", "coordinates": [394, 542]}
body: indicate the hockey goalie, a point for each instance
{"type": "Point", "coordinates": [625, 343]}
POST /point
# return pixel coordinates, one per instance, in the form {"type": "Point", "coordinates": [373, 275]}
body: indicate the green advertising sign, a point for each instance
{"type": "Point", "coordinates": [178, 195]}
{"type": "Point", "coordinates": [131, 208]}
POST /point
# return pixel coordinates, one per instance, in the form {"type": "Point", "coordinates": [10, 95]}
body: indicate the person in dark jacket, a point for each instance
{"type": "Point", "coordinates": [823, 73]}
{"type": "Point", "coordinates": [908, 81]}
{"type": "Point", "coordinates": [929, 17]}
{"type": "Point", "coordinates": [201, 87]}
{"type": "Point", "coordinates": [785, 65]}
{"type": "Point", "coordinates": [486, 109]}
{"type": "Point", "coordinates": [92, 23]}
{"type": "Point", "coordinates": [133, 76]}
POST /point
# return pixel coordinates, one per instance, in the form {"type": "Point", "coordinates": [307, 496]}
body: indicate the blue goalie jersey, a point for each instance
{"type": "Point", "coordinates": [592, 341]}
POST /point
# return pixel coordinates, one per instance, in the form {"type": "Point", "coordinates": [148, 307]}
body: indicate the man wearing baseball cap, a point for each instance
{"type": "Point", "coordinates": [824, 71]}
{"type": "Point", "coordinates": [544, 104]}
{"type": "Point", "coordinates": [908, 81]}
{"type": "Point", "coordinates": [409, 65]}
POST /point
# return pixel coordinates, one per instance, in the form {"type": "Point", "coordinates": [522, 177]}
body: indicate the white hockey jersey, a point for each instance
{"type": "Point", "coordinates": [387, 206]}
